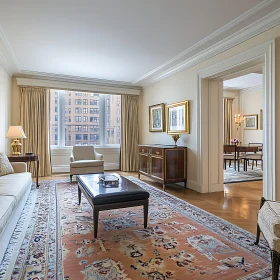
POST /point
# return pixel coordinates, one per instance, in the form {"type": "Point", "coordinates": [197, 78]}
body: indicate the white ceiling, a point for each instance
{"type": "Point", "coordinates": [117, 40]}
{"type": "Point", "coordinates": [246, 81]}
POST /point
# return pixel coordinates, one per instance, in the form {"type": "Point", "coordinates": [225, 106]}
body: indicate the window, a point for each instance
{"type": "Point", "coordinates": [78, 110]}
{"type": "Point", "coordinates": [113, 119]}
{"type": "Point", "coordinates": [100, 127]}
{"type": "Point", "coordinates": [94, 111]}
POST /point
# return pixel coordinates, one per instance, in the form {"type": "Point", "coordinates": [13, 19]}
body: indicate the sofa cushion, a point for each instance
{"type": "Point", "coordinates": [5, 165]}
{"type": "Point", "coordinates": [15, 184]}
{"type": "Point", "coordinates": [7, 206]}
{"type": "Point", "coordinates": [86, 163]}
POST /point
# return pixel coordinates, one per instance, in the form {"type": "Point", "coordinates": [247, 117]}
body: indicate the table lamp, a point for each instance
{"type": "Point", "coordinates": [16, 132]}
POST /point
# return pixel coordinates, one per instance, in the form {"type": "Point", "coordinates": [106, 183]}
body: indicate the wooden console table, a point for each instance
{"type": "Point", "coordinates": [27, 158]}
{"type": "Point", "coordinates": [163, 163]}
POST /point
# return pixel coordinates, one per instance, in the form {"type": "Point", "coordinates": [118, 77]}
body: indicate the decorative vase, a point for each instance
{"type": "Point", "coordinates": [176, 138]}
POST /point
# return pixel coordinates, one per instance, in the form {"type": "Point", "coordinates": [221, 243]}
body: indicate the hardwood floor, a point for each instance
{"type": "Point", "coordinates": [238, 203]}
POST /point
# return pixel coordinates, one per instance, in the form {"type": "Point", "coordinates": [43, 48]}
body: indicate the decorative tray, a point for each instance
{"type": "Point", "coordinates": [109, 181]}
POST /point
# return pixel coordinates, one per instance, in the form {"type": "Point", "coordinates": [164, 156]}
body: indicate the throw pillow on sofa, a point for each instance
{"type": "Point", "coordinates": [5, 165]}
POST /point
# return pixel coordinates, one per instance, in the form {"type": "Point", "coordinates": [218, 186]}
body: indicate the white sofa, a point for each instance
{"type": "Point", "coordinates": [14, 191]}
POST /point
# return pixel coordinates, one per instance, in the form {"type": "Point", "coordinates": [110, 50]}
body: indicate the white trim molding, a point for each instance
{"type": "Point", "coordinates": [267, 22]}
{"type": "Point", "coordinates": [237, 63]}
{"type": "Point", "coordinates": [246, 90]}
{"type": "Point", "coordinates": [56, 84]}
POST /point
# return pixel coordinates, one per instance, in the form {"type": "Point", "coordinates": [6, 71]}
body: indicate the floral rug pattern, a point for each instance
{"type": "Point", "coordinates": [180, 242]}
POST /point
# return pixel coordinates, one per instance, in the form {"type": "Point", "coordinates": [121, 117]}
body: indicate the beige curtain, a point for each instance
{"type": "Point", "coordinates": [34, 119]}
{"type": "Point", "coordinates": [130, 133]}
{"type": "Point", "coordinates": [227, 120]}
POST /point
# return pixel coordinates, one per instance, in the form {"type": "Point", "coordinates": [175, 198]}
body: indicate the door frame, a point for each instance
{"type": "Point", "coordinates": [262, 54]}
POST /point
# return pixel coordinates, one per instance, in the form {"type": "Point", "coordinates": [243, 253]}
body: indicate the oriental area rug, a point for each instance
{"type": "Point", "coordinates": [235, 176]}
{"type": "Point", "coordinates": [180, 242]}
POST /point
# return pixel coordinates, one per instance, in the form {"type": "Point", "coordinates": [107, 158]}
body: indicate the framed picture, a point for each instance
{"type": "Point", "coordinates": [156, 118]}
{"type": "Point", "coordinates": [250, 121]}
{"type": "Point", "coordinates": [178, 118]}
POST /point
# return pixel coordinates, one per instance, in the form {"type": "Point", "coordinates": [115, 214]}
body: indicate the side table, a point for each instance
{"type": "Point", "coordinates": [27, 158]}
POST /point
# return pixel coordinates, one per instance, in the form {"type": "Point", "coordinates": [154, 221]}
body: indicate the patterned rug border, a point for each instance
{"type": "Point", "coordinates": [18, 236]}
{"type": "Point", "coordinates": [262, 250]}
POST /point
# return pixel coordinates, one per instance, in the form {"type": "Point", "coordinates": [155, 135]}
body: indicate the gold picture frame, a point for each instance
{"type": "Point", "coordinates": [250, 122]}
{"type": "Point", "coordinates": [177, 118]}
{"type": "Point", "coordinates": [157, 118]}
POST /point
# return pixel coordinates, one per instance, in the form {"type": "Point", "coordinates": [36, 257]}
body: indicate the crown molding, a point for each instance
{"type": "Point", "coordinates": [187, 52]}
{"type": "Point", "coordinates": [75, 79]}
{"type": "Point", "coordinates": [7, 57]}
{"type": "Point", "coordinates": [254, 88]}
{"type": "Point", "coordinates": [267, 22]}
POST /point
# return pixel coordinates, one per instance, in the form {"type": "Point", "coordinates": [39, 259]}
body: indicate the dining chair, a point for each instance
{"type": "Point", "coordinates": [230, 154]}
{"type": "Point", "coordinates": [255, 156]}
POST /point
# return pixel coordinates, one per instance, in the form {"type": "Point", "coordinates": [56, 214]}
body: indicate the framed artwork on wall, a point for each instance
{"type": "Point", "coordinates": [178, 118]}
{"type": "Point", "coordinates": [250, 122]}
{"type": "Point", "coordinates": [157, 118]}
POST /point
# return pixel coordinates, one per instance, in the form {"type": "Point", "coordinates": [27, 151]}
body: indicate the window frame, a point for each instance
{"type": "Point", "coordinates": [102, 121]}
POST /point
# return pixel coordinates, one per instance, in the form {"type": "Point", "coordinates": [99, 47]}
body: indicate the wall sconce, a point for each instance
{"type": "Point", "coordinates": [237, 120]}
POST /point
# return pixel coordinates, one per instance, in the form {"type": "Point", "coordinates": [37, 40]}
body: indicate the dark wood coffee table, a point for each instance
{"type": "Point", "coordinates": [127, 194]}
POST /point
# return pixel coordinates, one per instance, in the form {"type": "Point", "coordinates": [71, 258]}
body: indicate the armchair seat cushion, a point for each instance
{"type": "Point", "coordinates": [269, 218]}
{"type": "Point", "coordinates": [86, 163]}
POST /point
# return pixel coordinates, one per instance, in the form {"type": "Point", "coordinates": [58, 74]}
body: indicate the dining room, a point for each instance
{"type": "Point", "coordinates": [243, 128]}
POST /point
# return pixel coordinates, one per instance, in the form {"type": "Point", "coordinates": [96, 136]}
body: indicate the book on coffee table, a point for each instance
{"type": "Point", "coordinates": [109, 181]}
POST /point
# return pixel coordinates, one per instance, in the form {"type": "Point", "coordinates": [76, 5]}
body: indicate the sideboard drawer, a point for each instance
{"type": "Point", "coordinates": [157, 151]}
{"type": "Point", "coordinates": [143, 149]}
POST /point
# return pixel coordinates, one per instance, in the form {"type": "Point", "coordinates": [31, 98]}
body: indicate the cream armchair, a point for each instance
{"type": "Point", "coordinates": [85, 160]}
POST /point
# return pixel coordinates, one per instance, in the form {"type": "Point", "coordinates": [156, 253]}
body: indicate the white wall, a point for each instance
{"type": "Point", "coordinates": [251, 101]}
{"type": "Point", "coordinates": [184, 86]}
{"type": "Point", "coordinates": [5, 97]}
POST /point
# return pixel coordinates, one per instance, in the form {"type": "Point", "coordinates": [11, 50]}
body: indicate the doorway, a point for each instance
{"type": "Point", "coordinates": [243, 128]}
{"type": "Point", "coordinates": [210, 124]}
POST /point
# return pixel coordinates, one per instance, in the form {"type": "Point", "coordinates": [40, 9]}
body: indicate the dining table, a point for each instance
{"type": "Point", "coordinates": [237, 149]}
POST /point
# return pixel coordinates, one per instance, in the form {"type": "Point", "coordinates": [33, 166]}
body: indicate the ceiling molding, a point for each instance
{"type": "Point", "coordinates": [246, 90]}
{"type": "Point", "coordinates": [267, 22]}
{"type": "Point", "coordinates": [184, 54]}
{"type": "Point", "coordinates": [55, 84]}
{"type": "Point", "coordinates": [7, 57]}
{"type": "Point", "coordinates": [74, 79]}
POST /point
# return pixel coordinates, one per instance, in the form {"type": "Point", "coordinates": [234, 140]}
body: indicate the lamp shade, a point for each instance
{"type": "Point", "coordinates": [15, 132]}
